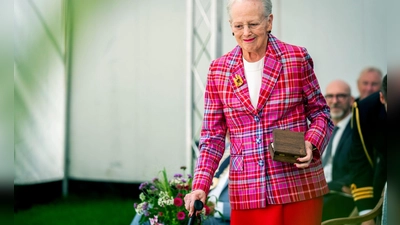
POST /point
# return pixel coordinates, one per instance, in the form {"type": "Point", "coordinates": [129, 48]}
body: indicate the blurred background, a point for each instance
{"type": "Point", "coordinates": [107, 93]}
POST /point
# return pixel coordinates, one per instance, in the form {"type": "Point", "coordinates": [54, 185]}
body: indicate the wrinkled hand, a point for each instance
{"type": "Point", "coordinates": [369, 222]}
{"type": "Point", "coordinates": [193, 196]}
{"type": "Point", "coordinates": [305, 161]}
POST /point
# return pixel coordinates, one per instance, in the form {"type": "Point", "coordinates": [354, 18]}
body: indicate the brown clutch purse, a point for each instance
{"type": "Point", "coordinates": [287, 145]}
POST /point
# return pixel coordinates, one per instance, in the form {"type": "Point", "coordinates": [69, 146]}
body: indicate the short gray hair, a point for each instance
{"type": "Point", "coordinates": [266, 3]}
{"type": "Point", "coordinates": [371, 69]}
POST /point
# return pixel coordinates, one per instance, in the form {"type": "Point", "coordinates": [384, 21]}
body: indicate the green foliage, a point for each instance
{"type": "Point", "coordinates": [79, 210]}
{"type": "Point", "coordinates": [162, 199]}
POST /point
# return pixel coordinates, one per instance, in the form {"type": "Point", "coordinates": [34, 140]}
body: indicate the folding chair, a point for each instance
{"type": "Point", "coordinates": [358, 219]}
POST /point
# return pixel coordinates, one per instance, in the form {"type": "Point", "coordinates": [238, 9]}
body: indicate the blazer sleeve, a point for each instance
{"type": "Point", "coordinates": [317, 111]}
{"type": "Point", "coordinates": [212, 137]}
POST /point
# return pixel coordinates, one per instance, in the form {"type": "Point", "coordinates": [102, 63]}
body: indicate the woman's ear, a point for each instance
{"type": "Point", "coordinates": [270, 19]}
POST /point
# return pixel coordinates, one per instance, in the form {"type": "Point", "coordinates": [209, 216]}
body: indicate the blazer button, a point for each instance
{"type": "Point", "coordinates": [261, 162]}
{"type": "Point", "coordinates": [257, 119]}
{"type": "Point", "coordinates": [258, 140]}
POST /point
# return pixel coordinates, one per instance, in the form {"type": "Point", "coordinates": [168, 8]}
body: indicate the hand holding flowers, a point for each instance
{"type": "Point", "coordinates": [162, 200]}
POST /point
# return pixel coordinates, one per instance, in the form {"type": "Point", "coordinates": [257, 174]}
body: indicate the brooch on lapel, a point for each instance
{"type": "Point", "coordinates": [238, 81]}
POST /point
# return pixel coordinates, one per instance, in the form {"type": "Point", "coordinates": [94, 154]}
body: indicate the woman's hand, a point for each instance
{"type": "Point", "coordinates": [305, 161]}
{"type": "Point", "coordinates": [193, 196]}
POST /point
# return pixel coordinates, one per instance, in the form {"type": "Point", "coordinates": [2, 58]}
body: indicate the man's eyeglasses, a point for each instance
{"type": "Point", "coordinates": [252, 26]}
{"type": "Point", "coordinates": [339, 97]}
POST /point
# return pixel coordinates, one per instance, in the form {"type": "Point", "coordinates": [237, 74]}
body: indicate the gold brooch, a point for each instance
{"type": "Point", "coordinates": [238, 81]}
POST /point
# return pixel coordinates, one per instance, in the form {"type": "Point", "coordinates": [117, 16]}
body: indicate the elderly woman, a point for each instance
{"type": "Point", "coordinates": [261, 85]}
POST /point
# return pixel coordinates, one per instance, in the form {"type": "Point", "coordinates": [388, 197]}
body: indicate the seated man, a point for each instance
{"type": "Point", "coordinates": [368, 155]}
{"type": "Point", "coordinates": [335, 159]}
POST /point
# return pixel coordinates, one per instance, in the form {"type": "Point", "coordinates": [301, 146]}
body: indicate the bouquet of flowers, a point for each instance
{"type": "Point", "coordinates": [162, 200]}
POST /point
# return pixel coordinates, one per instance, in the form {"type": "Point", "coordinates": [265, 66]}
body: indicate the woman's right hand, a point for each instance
{"type": "Point", "coordinates": [193, 196]}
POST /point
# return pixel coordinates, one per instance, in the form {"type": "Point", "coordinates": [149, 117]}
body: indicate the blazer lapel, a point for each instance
{"type": "Point", "coordinates": [272, 70]}
{"type": "Point", "coordinates": [240, 85]}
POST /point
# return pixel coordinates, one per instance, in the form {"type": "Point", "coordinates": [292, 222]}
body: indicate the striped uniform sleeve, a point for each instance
{"type": "Point", "coordinates": [361, 172]}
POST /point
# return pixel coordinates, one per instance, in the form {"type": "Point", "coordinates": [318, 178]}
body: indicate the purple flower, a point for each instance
{"type": "Point", "coordinates": [180, 215]}
{"type": "Point", "coordinates": [143, 185]}
{"type": "Point", "coordinates": [155, 179]}
{"type": "Point", "coordinates": [145, 205]}
{"type": "Point", "coordinates": [190, 176]}
{"type": "Point", "coordinates": [135, 205]}
{"type": "Point", "coordinates": [178, 175]}
{"type": "Point", "coordinates": [178, 202]}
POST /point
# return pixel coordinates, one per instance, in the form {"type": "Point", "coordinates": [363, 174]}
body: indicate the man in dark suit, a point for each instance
{"type": "Point", "coordinates": [336, 156]}
{"type": "Point", "coordinates": [368, 155]}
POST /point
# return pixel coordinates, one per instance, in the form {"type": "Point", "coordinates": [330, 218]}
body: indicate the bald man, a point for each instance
{"type": "Point", "coordinates": [369, 81]}
{"type": "Point", "coordinates": [335, 158]}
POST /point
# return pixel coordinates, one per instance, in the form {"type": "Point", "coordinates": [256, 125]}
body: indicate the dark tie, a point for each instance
{"type": "Point", "coordinates": [328, 152]}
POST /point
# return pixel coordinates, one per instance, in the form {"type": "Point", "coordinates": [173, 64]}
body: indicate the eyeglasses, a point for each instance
{"type": "Point", "coordinates": [339, 97]}
{"type": "Point", "coordinates": [252, 26]}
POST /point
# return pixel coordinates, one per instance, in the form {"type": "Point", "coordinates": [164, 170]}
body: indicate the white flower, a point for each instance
{"type": "Point", "coordinates": [165, 199]}
{"type": "Point", "coordinates": [177, 181]}
{"type": "Point", "coordinates": [142, 196]}
{"type": "Point", "coordinates": [139, 208]}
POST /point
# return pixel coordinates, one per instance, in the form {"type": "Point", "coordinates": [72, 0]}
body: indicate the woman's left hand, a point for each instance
{"type": "Point", "coordinates": [305, 161]}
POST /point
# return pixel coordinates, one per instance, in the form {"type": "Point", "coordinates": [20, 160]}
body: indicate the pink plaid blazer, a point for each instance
{"type": "Point", "coordinates": [289, 96]}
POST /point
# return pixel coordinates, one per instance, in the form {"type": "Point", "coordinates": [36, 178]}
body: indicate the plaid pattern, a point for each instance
{"type": "Point", "coordinates": [289, 95]}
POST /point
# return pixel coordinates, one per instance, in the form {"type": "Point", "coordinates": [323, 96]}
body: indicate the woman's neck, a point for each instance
{"type": "Point", "coordinates": [252, 56]}
{"type": "Point", "coordinates": [255, 56]}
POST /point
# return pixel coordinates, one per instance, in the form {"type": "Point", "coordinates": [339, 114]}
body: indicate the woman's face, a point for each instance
{"type": "Point", "coordinates": [250, 26]}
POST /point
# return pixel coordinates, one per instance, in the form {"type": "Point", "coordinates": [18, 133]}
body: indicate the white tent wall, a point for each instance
{"type": "Point", "coordinates": [128, 93]}
{"type": "Point", "coordinates": [127, 115]}
{"type": "Point", "coordinates": [39, 96]}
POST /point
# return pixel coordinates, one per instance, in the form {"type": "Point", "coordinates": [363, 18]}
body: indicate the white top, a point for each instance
{"type": "Point", "coordinates": [253, 72]}
{"type": "Point", "coordinates": [341, 125]}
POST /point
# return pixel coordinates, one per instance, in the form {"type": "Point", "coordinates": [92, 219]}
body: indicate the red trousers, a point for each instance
{"type": "Point", "coordinates": [307, 212]}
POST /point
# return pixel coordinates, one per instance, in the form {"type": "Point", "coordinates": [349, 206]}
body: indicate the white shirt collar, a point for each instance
{"type": "Point", "coordinates": [343, 122]}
